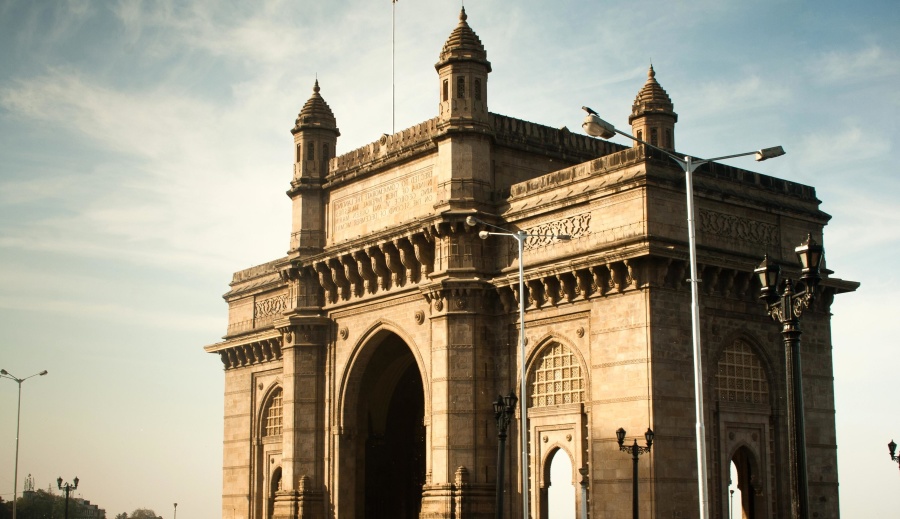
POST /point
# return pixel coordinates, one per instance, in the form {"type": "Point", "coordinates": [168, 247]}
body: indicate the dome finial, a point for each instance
{"type": "Point", "coordinates": [316, 86]}
{"type": "Point", "coordinates": [462, 14]}
{"type": "Point", "coordinates": [651, 73]}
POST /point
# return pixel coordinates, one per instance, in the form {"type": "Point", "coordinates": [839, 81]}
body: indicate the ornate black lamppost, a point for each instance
{"type": "Point", "coordinates": [893, 448]}
{"type": "Point", "coordinates": [175, 511]}
{"type": "Point", "coordinates": [504, 408]}
{"type": "Point", "coordinates": [635, 451]}
{"type": "Point", "coordinates": [68, 488]}
{"type": "Point", "coordinates": [786, 300]}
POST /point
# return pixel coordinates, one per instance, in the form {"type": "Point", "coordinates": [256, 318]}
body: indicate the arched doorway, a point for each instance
{"type": "Point", "coordinates": [274, 486]}
{"type": "Point", "coordinates": [390, 444]}
{"type": "Point", "coordinates": [745, 468]}
{"type": "Point", "coordinates": [560, 487]}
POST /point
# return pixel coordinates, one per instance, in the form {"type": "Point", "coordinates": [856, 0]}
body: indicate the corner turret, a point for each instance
{"type": "Point", "coordinates": [653, 115]}
{"type": "Point", "coordinates": [315, 139]}
{"type": "Point", "coordinates": [463, 70]}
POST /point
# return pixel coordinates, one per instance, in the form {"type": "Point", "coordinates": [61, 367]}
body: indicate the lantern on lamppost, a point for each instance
{"type": "Point", "coordinates": [892, 447]}
{"type": "Point", "coordinates": [635, 450]}
{"type": "Point", "coordinates": [67, 488]}
{"type": "Point", "coordinates": [785, 301]}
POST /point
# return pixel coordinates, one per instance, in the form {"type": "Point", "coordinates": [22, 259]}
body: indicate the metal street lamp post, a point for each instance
{"type": "Point", "coordinates": [893, 448]}
{"type": "Point", "coordinates": [175, 511]}
{"type": "Point", "coordinates": [520, 237]}
{"type": "Point", "coordinates": [786, 300]}
{"type": "Point", "coordinates": [7, 374]}
{"type": "Point", "coordinates": [67, 488]}
{"type": "Point", "coordinates": [635, 451]}
{"type": "Point", "coordinates": [504, 408]}
{"type": "Point", "coordinates": [594, 126]}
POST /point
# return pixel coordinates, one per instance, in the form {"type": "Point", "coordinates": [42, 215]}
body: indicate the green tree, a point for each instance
{"type": "Point", "coordinates": [144, 513]}
{"type": "Point", "coordinates": [123, 515]}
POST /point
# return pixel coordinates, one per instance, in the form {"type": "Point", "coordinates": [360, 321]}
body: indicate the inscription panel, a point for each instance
{"type": "Point", "coordinates": [383, 204]}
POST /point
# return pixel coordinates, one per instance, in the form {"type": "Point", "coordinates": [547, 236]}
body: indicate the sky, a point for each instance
{"type": "Point", "coordinates": [145, 152]}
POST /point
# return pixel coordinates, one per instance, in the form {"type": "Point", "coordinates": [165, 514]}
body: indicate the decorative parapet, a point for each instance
{"type": "Point", "coordinates": [387, 149]}
{"type": "Point", "coordinates": [517, 133]}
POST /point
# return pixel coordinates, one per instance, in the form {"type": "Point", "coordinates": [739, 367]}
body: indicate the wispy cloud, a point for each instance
{"type": "Point", "coordinates": [841, 144]}
{"type": "Point", "coordinates": [846, 66]}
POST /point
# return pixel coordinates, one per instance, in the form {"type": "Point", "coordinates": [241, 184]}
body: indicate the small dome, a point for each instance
{"type": "Point", "coordinates": [315, 113]}
{"type": "Point", "coordinates": [652, 99]}
{"type": "Point", "coordinates": [463, 45]}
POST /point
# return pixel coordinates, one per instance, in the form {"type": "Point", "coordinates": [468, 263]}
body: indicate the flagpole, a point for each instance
{"type": "Point", "coordinates": [393, 45]}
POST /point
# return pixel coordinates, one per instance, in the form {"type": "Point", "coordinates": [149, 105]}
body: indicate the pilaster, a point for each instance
{"type": "Point", "coordinates": [304, 346]}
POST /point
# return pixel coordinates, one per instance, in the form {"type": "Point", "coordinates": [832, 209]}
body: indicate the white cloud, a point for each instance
{"type": "Point", "coordinates": [751, 92]}
{"type": "Point", "coordinates": [841, 145]}
{"type": "Point", "coordinates": [844, 66]}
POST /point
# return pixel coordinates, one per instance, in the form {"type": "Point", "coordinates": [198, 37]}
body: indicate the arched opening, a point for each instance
{"type": "Point", "coordinates": [746, 484]}
{"type": "Point", "coordinates": [274, 486]}
{"type": "Point", "coordinates": [390, 444]}
{"type": "Point", "coordinates": [560, 487]}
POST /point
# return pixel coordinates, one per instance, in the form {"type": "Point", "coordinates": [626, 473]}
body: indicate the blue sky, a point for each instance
{"type": "Point", "coordinates": [145, 152]}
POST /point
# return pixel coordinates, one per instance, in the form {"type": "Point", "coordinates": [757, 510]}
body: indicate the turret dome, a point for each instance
{"type": "Point", "coordinates": [315, 113]}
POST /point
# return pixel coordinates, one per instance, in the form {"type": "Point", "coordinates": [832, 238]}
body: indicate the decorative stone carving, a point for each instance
{"type": "Point", "coordinates": [575, 226]}
{"type": "Point", "coordinates": [736, 227]}
{"type": "Point", "coordinates": [420, 317]}
{"type": "Point", "coordinates": [344, 333]}
{"type": "Point", "coordinates": [270, 306]}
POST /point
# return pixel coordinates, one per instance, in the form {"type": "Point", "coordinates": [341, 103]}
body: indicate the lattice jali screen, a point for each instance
{"type": "Point", "coordinates": [740, 377]}
{"type": "Point", "coordinates": [557, 378]}
{"type": "Point", "coordinates": [274, 417]}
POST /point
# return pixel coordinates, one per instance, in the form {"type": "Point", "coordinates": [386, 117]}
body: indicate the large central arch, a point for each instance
{"type": "Point", "coordinates": [384, 406]}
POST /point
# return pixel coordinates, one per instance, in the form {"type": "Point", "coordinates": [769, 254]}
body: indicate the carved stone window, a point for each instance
{"type": "Point", "coordinates": [311, 151]}
{"type": "Point", "coordinates": [477, 90]}
{"type": "Point", "coordinates": [461, 87]}
{"type": "Point", "coordinates": [640, 135]}
{"type": "Point", "coordinates": [654, 138]}
{"type": "Point", "coordinates": [274, 414]}
{"type": "Point", "coordinates": [740, 377]}
{"type": "Point", "coordinates": [557, 378]}
{"type": "Point", "coordinates": [446, 90]}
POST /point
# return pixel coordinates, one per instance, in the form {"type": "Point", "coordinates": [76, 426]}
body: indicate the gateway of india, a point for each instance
{"type": "Point", "coordinates": [361, 367]}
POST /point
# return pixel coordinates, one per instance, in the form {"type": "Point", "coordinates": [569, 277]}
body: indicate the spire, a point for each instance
{"type": "Point", "coordinates": [463, 45]}
{"type": "Point", "coordinates": [315, 114]}
{"type": "Point", "coordinates": [652, 99]}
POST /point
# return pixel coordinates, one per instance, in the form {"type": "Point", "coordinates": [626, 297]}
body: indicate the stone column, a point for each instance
{"type": "Point", "coordinates": [305, 340]}
{"type": "Point", "coordinates": [463, 439]}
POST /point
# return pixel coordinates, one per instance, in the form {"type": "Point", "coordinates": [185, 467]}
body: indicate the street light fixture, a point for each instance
{"type": "Point", "coordinates": [594, 126]}
{"type": "Point", "coordinates": [504, 408]}
{"type": "Point", "coordinates": [7, 374]}
{"type": "Point", "coordinates": [520, 237]}
{"type": "Point", "coordinates": [893, 448]}
{"type": "Point", "coordinates": [175, 511]}
{"type": "Point", "coordinates": [786, 302]}
{"type": "Point", "coordinates": [67, 488]}
{"type": "Point", "coordinates": [635, 450]}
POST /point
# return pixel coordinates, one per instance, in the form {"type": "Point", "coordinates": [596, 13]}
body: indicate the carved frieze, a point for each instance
{"type": "Point", "coordinates": [736, 227]}
{"type": "Point", "coordinates": [575, 226]}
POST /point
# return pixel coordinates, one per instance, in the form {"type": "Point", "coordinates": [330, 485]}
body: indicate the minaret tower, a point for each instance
{"type": "Point", "coordinates": [315, 138]}
{"type": "Point", "coordinates": [653, 115]}
{"type": "Point", "coordinates": [464, 125]}
{"type": "Point", "coordinates": [463, 70]}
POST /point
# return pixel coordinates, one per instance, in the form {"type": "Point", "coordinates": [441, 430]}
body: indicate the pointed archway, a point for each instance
{"type": "Point", "coordinates": [386, 404]}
